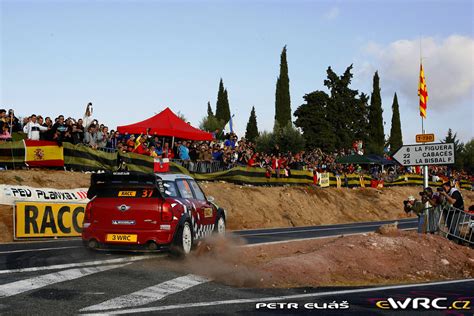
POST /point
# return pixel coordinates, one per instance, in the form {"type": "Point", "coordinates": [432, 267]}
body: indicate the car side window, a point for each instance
{"type": "Point", "coordinates": [170, 189]}
{"type": "Point", "coordinates": [197, 190]}
{"type": "Point", "coordinates": [184, 189]}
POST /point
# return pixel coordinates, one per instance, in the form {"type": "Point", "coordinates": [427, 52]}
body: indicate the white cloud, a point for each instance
{"type": "Point", "coordinates": [332, 13]}
{"type": "Point", "coordinates": [448, 64]}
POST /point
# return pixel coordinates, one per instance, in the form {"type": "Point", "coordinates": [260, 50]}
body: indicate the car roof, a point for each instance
{"type": "Point", "coordinates": [173, 176]}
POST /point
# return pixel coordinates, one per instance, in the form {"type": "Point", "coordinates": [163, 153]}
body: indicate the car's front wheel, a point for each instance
{"type": "Point", "coordinates": [220, 225]}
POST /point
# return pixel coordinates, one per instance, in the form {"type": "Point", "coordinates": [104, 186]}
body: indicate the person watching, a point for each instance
{"type": "Point", "coordinates": [32, 128]}
{"type": "Point", "coordinates": [91, 137]}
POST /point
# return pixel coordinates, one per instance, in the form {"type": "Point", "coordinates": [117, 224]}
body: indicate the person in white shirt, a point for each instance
{"type": "Point", "coordinates": [33, 128]}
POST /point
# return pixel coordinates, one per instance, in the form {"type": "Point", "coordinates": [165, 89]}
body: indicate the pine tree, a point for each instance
{"type": "Point", "coordinates": [252, 129]}
{"type": "Point", "coordinates": [377, 138]}
{"type": "Point", "coordinates": [396, 140]}
{"type": "Point", "coordinates": [209, 109]}
{"type": "Point", "coordinates": [222, 105]}
{"type": "Point", "coordinates": [458, 149]}
{"type": "Point", "coordinates": [282, 93]}
{"type": "Point", "coordinates": [333, 121]}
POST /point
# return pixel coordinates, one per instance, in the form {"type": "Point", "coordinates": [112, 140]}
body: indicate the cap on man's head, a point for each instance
{"type": "Point", "coordinates": [411, 198]}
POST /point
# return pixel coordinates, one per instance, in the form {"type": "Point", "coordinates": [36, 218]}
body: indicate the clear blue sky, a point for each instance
{"type": "Point", "coordinates": [133, 58]}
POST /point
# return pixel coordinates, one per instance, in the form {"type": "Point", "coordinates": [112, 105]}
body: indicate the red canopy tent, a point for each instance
{"type": "Point", "coordinates": [166, 123]}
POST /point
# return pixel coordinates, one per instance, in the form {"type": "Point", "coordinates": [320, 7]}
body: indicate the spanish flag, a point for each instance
{"type": "Point", "coordinates": [40, 153]}
{"type": "Point", "coordinates": [423, 93]}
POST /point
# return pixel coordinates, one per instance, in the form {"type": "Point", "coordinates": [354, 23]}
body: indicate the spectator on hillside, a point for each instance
{"type": "Point", "coordinates": [59, 129]}
{"type": "Point", "coordinates": [13, 121]}
{"type": "Point", "coordinates": [78, 132]}
{"type": "Point", "coordinates": [3, 116]}
{"type": "Point", "coordinates": [32, 128]}
{"type": "Point", "coordinates": [183, 150]}
{"type": "Point", "coordinates": [113, 140]}
{"type": "Point", "coordinates": [167, 151]}
{"type": "Point", "coordinates": [102, 137]}
{"type": "Point", "coordinates": [142, 147]}
{"type": "Point", "coordinates": [91, 137]}
{"type": "Point", "coordinates": [47, 135]}
{"type": "Point", "coordinates": [4, 131]}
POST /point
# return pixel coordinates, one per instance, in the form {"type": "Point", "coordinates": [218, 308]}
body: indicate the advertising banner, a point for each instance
{"type": "Point", "coordinates": [324, 180]}
{"type": "Point", "coordinates": [46, 219]}
{"type": "Point", "coordinates": [9, 194]}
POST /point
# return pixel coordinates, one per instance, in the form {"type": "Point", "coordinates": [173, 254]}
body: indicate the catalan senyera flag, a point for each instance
{"type": "Point", "coordinates": [41, 153]}
{"type": "Point", "coordinates": [423, 93]}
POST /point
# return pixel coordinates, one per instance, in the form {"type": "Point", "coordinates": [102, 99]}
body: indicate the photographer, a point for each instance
{"type": "Point", "coordinates": [417, 207]}
{"type": "Point", "coordinates": [453, 197]}
{"type": "Point", "coordinates": [428, 196]}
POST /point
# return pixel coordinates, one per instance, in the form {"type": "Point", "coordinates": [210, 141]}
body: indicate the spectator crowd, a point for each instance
{"type": "Point", "coordinates": [229, 152]}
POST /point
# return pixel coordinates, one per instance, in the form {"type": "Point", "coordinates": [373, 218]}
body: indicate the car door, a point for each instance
{"type": "Point", "coordinates": [187, 198]}
{"type": "Point", "coordinates": [206, 211]}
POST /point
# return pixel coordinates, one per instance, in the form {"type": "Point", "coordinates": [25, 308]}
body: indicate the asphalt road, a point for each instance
{"type": "Point", "coordinates": [61, 277]}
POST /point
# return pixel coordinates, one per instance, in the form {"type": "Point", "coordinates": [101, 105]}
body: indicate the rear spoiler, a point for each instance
{"type": "Point", "coordinates": [110, 179]}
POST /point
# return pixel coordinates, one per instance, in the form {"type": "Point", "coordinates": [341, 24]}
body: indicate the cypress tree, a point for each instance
{"type": "Point", "coordinates": [377, 138]}
{"type": "Point", "coordinates": [282, 93]}
{"type": "Point", "coordinates": [220, 104]}
{"type": "Point", "coordinates": [226, 110]}
{"type": "Point", "coordinates": [396, 140]}
{"type": "Point", "coordinates": [209, 109]}
{"type": "Point", "coordinates": [252, 129]}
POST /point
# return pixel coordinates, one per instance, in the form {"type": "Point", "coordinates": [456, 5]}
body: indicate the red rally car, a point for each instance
{"type": "Point", "coordinates": [154, 211]}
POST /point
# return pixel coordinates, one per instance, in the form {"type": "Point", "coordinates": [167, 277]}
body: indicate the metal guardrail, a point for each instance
{"type": "Point", "coordinates": [456, 224]}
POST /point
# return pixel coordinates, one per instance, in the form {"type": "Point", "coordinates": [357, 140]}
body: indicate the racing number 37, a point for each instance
{"type": "Point", "coordinates": [147, 193]}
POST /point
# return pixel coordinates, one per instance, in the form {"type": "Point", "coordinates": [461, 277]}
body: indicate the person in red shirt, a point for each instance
{"type": "Point", "coordinates": [167, 151]}
{"type": "Point", "coordinates": [142, 149]}
{"type": "Point", "coordinates": [253, 161]}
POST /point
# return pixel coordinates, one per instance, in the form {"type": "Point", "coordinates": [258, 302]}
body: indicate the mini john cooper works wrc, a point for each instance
{"type": "Point", "coordinates": [152, 211]}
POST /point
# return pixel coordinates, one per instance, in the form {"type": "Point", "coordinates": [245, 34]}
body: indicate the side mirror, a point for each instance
{"type": "Point", "coordinates": [210, 199]}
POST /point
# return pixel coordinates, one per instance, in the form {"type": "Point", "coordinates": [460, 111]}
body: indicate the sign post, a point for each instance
{"type": "Point", "coordinates": [425, 154]}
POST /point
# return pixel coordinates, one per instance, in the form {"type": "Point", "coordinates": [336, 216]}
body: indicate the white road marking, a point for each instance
{"type": "Point", "coordinates": [40, 249]}
{"type": "Point", "coordinates": [309, 238]}
{"type": "Point", "coordinates": [25, 285]}
{"type": "Point", "coordinates": [149, 295]}
{"type": "Point", "coordinates": [277, 298]}
{"type": "Point", "coordinates": [78, 264]}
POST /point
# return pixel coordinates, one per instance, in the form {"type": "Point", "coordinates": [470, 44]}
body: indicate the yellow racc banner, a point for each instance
{"type": "Point", "coordinates": [37, 220]}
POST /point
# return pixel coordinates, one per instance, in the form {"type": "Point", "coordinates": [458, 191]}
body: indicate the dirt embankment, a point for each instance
{"type": "Point", "coordinates": [388, 257]}
{"type": "Point", "coordinates": [270, 207]}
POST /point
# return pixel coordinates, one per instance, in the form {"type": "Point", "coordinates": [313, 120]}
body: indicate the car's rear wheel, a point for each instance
{"type": "Point", "coordinates": [183, 240]}
{"type": "Point", "coordinates": [92, 244]}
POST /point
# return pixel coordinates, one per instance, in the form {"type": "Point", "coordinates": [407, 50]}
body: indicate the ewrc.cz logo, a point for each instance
{"type": "Point", "coordinates": [439, 303]}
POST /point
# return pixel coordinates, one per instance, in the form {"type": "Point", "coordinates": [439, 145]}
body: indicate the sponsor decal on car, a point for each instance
{"type": "Point", "coordinates": [123, 222]}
